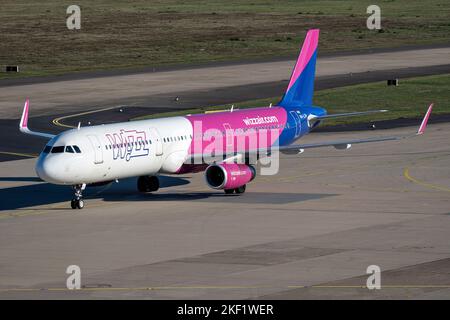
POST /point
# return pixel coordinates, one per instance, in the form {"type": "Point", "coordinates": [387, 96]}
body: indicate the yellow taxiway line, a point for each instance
{"type": "Point", "coordinates": [57, 121]}
{"type": "Point", "coordinates": [408, 176]}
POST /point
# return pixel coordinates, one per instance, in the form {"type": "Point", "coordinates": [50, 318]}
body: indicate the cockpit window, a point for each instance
{"type": "Point", "coordinates": [59, 149]}
{"type": "Point", "coordinates": [77, 150]}
{"type": "Point", "coordinates": [69, 149]}
{"type": "Point", "coordinates": [47, 149]}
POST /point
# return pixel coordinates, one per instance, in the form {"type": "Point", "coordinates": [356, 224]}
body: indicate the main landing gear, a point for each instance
{"type": "Point", "coordinates": [241, 189]}
{"type": "Point", "coordinates": [77, 201]}
{"type": "Point", "coordinates": [148, 183]}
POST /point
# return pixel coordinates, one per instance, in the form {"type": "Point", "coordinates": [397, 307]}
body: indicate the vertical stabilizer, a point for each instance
{"type": "Point", "coordinates": [301, 85]}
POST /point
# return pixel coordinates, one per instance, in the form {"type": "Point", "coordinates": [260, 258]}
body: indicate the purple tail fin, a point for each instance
{"type": "Point", "coordinates": [301, 85]}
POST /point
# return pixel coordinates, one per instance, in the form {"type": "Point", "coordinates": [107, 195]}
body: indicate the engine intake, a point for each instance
{"type": "Point", "coordinates": [229, 175]}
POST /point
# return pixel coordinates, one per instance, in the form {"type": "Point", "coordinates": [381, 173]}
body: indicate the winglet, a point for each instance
{"type": "Point", "coordinates": [24, 120]}
{"type": "Point", "coordinates": [423, 125]}
{"type": "Point", "coordinates": [23, 124]}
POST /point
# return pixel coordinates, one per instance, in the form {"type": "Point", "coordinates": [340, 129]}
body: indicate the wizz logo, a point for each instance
{"type": "Point", "coordinates": [128, 144]}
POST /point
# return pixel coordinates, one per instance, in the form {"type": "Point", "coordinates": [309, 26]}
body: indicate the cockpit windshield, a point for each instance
{"type": "Point", "coordinates": [58, 149]}
{"type": "Point", "coordinates": [62, 149]}
{"type": "Point", "coordinates": [77, 150]}
{"type": "Point", "coordinates": [69, 149]}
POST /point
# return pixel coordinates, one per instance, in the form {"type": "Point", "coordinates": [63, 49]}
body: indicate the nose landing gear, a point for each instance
{"type": "Point", "coordinates": [77, 201]}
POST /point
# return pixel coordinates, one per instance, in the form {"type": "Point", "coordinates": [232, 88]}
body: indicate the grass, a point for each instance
{"type": "Point", "coordinates": [409, 100]}
{"type": "Point", "coordinates": [119, 34]}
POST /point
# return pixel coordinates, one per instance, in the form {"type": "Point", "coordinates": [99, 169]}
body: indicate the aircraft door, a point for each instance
{"type": "Point", "coordinates": [298, 123]}
{"type": "Point", "coordinates": [95, 142]}
{"type": "Point", "coordinates": [156, 139]}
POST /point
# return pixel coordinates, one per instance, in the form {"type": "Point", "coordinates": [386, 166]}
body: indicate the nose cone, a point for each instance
{"type": "Point", "coordinates": [47, 169]}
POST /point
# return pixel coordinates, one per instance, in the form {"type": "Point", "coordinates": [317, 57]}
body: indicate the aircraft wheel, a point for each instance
{"type": "Point", "coordinates": [229, 191]}
{"type": "Point", "coordinates": [148, 183]}
{"type": "Point", "coordinates": [241, 189]}
{"type": "Point", "coordinates": [77, 204]}
{"type": "Point", "coordinates": [154, 183]}
{"type": "Point", "coordinates": [80, 204]}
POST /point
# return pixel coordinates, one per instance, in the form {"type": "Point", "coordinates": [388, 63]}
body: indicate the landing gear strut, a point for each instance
{"type": "Point", "coordinates": [241, 189]}
{"type": "Point", "coordinates": [148, 184]}
{"type": "Point", "coordinates": [77, 201]}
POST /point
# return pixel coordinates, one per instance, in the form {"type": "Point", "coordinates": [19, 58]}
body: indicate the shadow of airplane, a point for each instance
{"type": "Point", "coordinates": [21, 179]}
{"type": "Point", "coordinates": [45, 193]}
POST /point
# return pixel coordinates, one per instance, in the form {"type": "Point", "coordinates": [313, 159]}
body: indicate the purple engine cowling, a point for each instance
{"type": "Point", "coordinates": [229, 175]}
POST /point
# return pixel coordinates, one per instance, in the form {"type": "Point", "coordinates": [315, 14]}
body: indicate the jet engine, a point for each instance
{"type": "Point", "coordinates": [229, 175]}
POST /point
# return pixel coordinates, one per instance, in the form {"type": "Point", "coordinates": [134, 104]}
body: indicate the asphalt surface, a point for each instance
{"type": "Point", "coordinates": [309, 232]}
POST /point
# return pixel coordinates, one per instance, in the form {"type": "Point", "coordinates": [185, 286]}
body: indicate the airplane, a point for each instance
{"type": "Point", "coordinates": [101, 154]}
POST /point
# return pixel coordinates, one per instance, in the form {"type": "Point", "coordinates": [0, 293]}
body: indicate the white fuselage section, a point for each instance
{"type": "Point", "coordinates": [115, 151]}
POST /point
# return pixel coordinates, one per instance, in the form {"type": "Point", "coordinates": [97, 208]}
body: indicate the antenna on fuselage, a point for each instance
{"type": "Point", "coordinates": [79, 125]}
{"type": "Point", "coordinates": [270, 106]}
{"type": "Point", "coordinates": [232, 107]}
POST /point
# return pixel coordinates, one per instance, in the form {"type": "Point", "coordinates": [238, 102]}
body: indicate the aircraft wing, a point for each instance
{"type": "Point", "coordinates": [338, 144]}
{"type": "Point", "coordinates": [346, 144]}
{"type": "Point", "coordinates": [23, 125]}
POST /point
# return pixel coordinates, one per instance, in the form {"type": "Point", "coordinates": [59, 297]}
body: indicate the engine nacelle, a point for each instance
{"type": "Point", "coordinates": [229, 175]}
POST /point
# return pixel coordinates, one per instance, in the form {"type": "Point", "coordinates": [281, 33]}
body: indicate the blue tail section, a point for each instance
{"type": "Point", "coordinates": [301, 85]}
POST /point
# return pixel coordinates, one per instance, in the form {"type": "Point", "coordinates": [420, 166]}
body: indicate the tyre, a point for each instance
{"type": "Point", "coordinates": [142, 184]}
{"type": "Point", "coordinates": [241, 189]}
{"type": "Point", "coordinates": [73, 204]}
{"type": "Point", "coordinates": [229, 191]}
{"type": "Point", "coordinates": [153, 182]}
{"type": "Point", "coordinates": [148, 183]}
{"type": "Point", "coordinates": [80, 204]}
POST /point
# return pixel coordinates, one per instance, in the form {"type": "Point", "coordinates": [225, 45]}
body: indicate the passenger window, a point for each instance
{"type": "Point", "coordinates": [59, 149]}
{"type": "Point", "coordinates": [77, 150]}
{"type": "Point", "coordinates": [69, 149]}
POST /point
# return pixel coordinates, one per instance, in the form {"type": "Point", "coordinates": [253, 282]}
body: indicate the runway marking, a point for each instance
{"type": "Point", "coordinates": [27, 155]}
{"type": "Point", "coordinates": [408, 176]}
{"type": "Point", "coordinates": [57, 121]}
{"type": "Point", "coordinates": [156, 288]}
